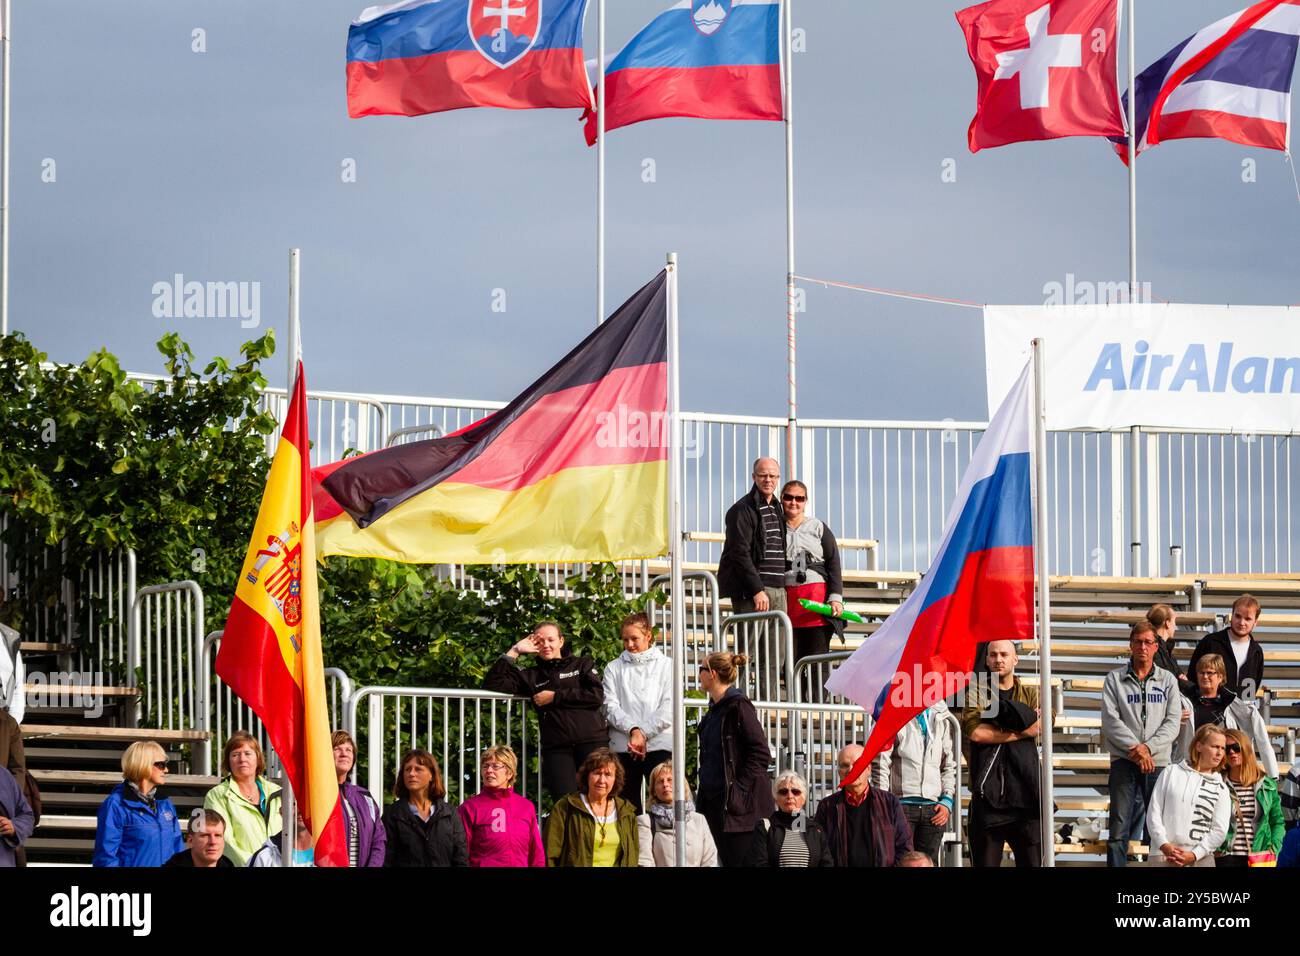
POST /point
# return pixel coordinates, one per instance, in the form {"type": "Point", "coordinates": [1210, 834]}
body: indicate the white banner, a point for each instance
{"type": "Point", "coordinates": [1229, 368]}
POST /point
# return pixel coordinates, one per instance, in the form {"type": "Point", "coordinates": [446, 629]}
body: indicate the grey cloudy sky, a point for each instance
{"type": "Point", "coordinates": [213, 164]}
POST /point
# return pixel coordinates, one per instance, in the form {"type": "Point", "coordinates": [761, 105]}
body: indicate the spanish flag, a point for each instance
{"type": "Point", "coordinates": [574, 469]}
{"type": "Point", "coordinates": [271, 650]}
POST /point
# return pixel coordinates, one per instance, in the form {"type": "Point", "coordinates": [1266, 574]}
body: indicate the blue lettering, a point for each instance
{"type": "Point", "coordinates": [1221, 369]}
{"type": "Point", "coordinates": [1159, 365]}
{"type": "Point", "coordinates": [1193, 368]}
{"type": "Point", "coordinates": [1280, 368]}
{"type": "Point", "coordinates": [1109, 367]}
{"type": "Point", "coordinates": [1258, 366]}
{"type": "Point", "coordinates": [1139, 364]}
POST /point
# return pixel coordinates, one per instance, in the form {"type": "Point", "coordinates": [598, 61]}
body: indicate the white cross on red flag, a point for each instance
{"type": "Point", "coordinates": [1046, 68]}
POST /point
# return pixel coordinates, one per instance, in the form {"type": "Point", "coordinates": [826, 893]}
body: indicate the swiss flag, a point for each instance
{"type": "Point", "coordinates": [1046, 68]}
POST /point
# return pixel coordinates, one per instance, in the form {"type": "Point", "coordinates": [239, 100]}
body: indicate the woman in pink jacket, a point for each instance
{"type": "Point", "coordinates": [501, 826]}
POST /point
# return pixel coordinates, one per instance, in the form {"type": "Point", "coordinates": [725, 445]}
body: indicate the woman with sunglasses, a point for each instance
{"type": "Point", "coordinates": [136, 826]}
{"type": "Point", "coordinates": [813, 562]}
{"type": "Point", "coordinates": [1255, 825]}
{"type": "Point", "coordinates": [733, 794]}
{"type": "Point", "coordinates": [789, 837]}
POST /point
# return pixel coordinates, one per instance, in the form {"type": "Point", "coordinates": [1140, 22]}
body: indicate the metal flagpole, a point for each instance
{"type": "Point", "coordinates": [791, 446]}
{"type": "Point", "coordinates": [4, 176]}
{"type": "Point", "coordinates": [1047, 810]}
{"type": "Point", "coordinates": [293, 345]}
{"type": "Point", "coordinates": [1135, 447]}
{"type": "Point", "coordinates": [600, 162]}
{"type": "Point", "coordinates": [677, 596]}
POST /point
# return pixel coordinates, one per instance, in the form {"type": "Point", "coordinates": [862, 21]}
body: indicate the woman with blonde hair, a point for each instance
{"type": "Point", "coordinates": [1190, 804]}
{"type": "Point", "coordinates": [734, 794]}
{"type": "Point", "coordinates": [656, 828]}
{"type": "Point", "coordinates": [1213, 703]}
{"type": "Point", "coordinates": [500, 825]}
{"type": "Point", "coordinates": [136, 826]}
{"type": "Point", "coordinates": [639, 704]}
{"type": "Point", "coordinates": [1255, 825]}
{"type": "Point", "coordinates": [248, 801]}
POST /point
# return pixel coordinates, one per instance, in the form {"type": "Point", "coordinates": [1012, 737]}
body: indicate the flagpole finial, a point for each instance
{"type": "Point", "coordinates": [672, 259]}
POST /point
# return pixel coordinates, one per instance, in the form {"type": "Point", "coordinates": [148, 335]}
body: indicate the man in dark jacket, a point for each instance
{"type": "Point", "coordinates": [568, 694]}
{"type": "Point", "coordinates": [865, 825]}
{"type": "Point", "coordinates": [752, 570]}
{"type": "Point", "coordinates": [1004, 766]}
{"type": "Point", "coordinates": [1242, 656]}
{"type": "Point", "coordinates": [207, 842]}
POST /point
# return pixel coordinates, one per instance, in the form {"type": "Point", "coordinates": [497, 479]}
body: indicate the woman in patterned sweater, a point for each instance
{"type": "Point", "coordinates": [1255, 824]}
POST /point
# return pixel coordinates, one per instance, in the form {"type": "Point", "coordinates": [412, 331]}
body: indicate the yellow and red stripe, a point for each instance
{"type": "Point", "coordinates": [271, 651]}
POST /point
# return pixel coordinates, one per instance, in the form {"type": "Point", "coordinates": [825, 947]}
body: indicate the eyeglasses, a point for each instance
{"type": "Point", "coordinates": [492, 765]}
{"type": "Point", "coordinates": [1137, 643]}
{"type": "Point", "coordinates": [794, 497]}
{"type": "Point", "coordinates": [1233, 748]}
{"type": "Point", "coordinates": [160, 764]}
{"type": "Point", "coordinates": [789, 792]}
{"type": "Point", "coordinates": [766, 477]}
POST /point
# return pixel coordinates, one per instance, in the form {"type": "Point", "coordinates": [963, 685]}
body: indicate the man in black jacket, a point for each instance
{"type": "Point", "coordinates": [1004, 766]}
{"type": "Point", "coordinates": [568, 694]}
{"type": "Point", "coordinates": [752, 569]}
{"type": "Point", "coordinates": [1243, 658]}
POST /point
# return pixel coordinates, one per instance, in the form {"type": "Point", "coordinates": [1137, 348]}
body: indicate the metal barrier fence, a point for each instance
{"type": "Point", "coordinates": [228, 713]}
{"type": "Point", "coordinates": [165, 647]}
{"type": "Point", "coordinates": [767, 641]}
{"type": "Point", "coordinates": [702, 625]}
{"type": "Point", "coordinates": [456, 726]}
{"type": "Point", "coordinates": [105, 600]}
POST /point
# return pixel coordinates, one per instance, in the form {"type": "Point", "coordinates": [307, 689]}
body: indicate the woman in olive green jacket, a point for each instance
{"type": "Point", "coordinates": [595, 826]}
{"type": "Point", "coordinates": [249, 802]}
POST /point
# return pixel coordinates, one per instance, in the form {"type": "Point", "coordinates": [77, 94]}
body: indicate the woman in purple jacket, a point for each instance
{"type": "Point", "coordinates": [501, 826]}
{"type": "Point", "coordinates": [361, 815]}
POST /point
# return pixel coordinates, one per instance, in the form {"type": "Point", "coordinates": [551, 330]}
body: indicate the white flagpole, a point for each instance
{"type": "Point", "coordinates": [1047, 810]}
{"type": "Point", "coordinates": [791, 445]}
{"type": "Point", "coordinates": [677, 596]}
{"type": "Point", "coordinates": [5, 13]}
{"type": "Point", "coordinates": [600, 162]}
{"type": "Point", "coordinates": [1132, 159]}
{"type": "Point", "coordinates": [293, 347]}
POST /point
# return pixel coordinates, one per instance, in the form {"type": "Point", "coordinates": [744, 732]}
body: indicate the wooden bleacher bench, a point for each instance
{"type": "Point", "coordinates": [83, 690]}
{"type": "Point", "coordinates": [42, 647]}
{"type": "Point", "coordinates": [110, 778]}
{"type": "Point", "coordinates": [111, 734]}
{"type": "Point", "coordinates": [1099, 848]}
{"type": "Point", "coordinates": [51, 821]}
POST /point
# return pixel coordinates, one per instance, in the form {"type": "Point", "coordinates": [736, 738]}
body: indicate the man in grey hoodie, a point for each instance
{"type": "Point", "coordinates": [1140, 714]}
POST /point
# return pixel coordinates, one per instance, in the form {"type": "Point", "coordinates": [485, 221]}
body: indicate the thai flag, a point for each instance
{"type": "Point", "coordinates": [1230, 81]}
{"type": "Point", "coordinates": [708, 59]}
{"type": "Point", "coordinates": [979, 588]}
{"type": "Point", "coordinates": [426, 56]}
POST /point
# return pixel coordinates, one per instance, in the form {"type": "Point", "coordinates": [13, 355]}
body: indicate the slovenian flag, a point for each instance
{"type": "Point", "coordinates": [426, 56]}
{"type": "Point", "coordinates": [979, 588]}
{"type": "Point", "coordinates": [708, 59]}
{"type": "Point", "coordinates": [270, 653]}
{"type": "Point", "coordinates": [1230, 81]}
{"type": "Point", "coordinates": [574, 469]}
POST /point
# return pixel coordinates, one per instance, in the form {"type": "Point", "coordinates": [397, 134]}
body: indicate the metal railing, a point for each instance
{"type": "Point", "coordinates": [702, 625]}
{"type": "Point", "coordinates": [228, 713]}
{"type": "Point", "coordinates": [164, 649]}
{"type": "Point", "coordinates": [456, 726]}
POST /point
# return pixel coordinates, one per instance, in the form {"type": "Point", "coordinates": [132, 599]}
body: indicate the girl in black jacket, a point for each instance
{"type": "Point", "coordinates": [422, 827]}
{"type": "Point", "coordinates": [568, 694]}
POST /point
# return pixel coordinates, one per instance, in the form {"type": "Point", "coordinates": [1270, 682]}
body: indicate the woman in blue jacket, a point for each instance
{"type": "Point", "coordinates": [136, 826]}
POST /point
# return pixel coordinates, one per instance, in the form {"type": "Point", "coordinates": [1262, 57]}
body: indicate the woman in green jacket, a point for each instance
{"type": "Point", "coordinates": [1255, 824]}
{"type": "Point", "coordinates": [249, 802]}
{"type": "Point", "coordinates": [595, 826]}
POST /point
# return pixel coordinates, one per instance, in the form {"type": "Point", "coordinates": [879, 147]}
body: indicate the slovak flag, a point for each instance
{"type": "Point", "coordinates": [709, 59]}
{"type": "Point", "coordinates": [1046, 69]}
{"type": "Point", "coordinates": [1230, 81]}
{"type": "Point", "coordinates": [427, 56]}
{"type": "Point", "coordinates": [979, 588]}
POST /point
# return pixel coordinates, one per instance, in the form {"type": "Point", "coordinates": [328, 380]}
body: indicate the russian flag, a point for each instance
{"type": "Point", "coordinates": [427, 56]}
{"type": "Point", "coordinates": [1230, 81]}
{"type": "Point", "coordinates": [979, 588]}
{"type": "Point", "coordinates": [707, 59]}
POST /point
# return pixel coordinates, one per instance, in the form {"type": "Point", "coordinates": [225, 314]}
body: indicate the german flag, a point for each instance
{"type": "Point", "coordinates": [574, 469]}
{"type": "Point", "coordinates": [271, 651]}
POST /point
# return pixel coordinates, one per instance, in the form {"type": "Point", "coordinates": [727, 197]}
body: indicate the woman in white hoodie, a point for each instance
{"type": "Point", "coordinates": [639, 705]}
{"type": "Point", "coordinates": [1191, 804]}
